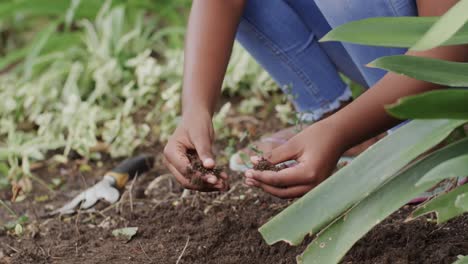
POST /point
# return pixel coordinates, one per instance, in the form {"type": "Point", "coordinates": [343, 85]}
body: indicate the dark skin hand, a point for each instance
{"type": "Point", "coordinates": [210, 37]}
{"type": "Point", "coordinates": [211, 31]}
{"type": "Point", "coordinates": [365, 117]}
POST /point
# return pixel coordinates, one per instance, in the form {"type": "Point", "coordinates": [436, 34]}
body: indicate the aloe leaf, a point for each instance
{"type": "Point", "coordinates": [401, 32]}
{"type": "Point", "coordinates": [333, 243]}
{"type": "Point", "coordinates": [442, 72]}
{"type": "Point", "coordinates": [462, 260]}
{"type": "Point", "coordinates": [357, 180]}
{"type": "Point", "coordinates": [452, 21]}
{"type": "Point", "coordinates": [443, 206]}
{"type": "Point", "coordinates": [456, 167]}
{"type": "Point", "coordinates": [448, 104]}
{"type": "Point", "coordinates": [462, 201]}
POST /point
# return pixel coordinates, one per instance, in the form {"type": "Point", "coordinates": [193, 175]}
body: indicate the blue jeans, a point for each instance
{"type": "Point", "coordinates": [282, 35]}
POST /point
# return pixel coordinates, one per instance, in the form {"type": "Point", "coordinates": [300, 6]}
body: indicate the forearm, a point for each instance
{"type": "Point", "coordinates": [210, 36]}
{"type": "Point", "coordinates": [366, 116]}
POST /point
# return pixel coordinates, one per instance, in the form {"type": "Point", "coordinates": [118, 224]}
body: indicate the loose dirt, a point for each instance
{"type": "Point", "coordinates": [196, 170]}
{"type": "Point", "coordinates": [265, 165]}
{"type": "Point", "coordinates": [212, 227]}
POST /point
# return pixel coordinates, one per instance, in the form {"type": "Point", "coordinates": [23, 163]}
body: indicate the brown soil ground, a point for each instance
{"type": "Point", "coordinates": [193, 228]}
{"type": "Point", "coordinates": [213, 228]}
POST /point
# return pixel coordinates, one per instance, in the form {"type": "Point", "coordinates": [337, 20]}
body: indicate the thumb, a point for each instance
{"type": "Point", "coordinates": [203, 147]}
{"type": "Point", "coordinates": [284, 152]}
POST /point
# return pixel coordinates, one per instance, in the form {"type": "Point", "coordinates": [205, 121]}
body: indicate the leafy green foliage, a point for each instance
{"type": "Point", "coordinates": [107, 74]}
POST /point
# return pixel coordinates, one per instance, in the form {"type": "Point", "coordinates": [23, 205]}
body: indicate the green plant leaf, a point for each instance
{"type": "Point", "coordinates": [361, 177]}
{"type": "Point", "coordinates": [401, 32]}
{"type": "Point", "coordinates": [462, 201]}
{"type": "Point", "coordinates": [452, 21]}
{"type": "Point", "coordinates": [333, 243]}
{"type": "Point", "coordinates": [427, 69]}
{"type": "Point", "coordinates": [462, 260]}
{"type": "Point", "coordinates": [448, 104]}
{"type": "Point", "coordinates": [443, 206]}
{"type": "Point", "coordinates": [457, 167]}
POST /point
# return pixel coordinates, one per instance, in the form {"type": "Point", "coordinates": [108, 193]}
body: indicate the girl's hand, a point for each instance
{"type": "Point", "coordinates": [317, 149]}
{"type": "Point", "coordinates": [193, 133]}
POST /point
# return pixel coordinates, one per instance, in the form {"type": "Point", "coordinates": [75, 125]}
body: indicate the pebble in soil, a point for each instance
{"type": "Point", "coordinates": [196, 169]}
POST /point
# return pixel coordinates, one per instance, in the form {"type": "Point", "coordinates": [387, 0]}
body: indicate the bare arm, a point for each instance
{"type": "Point", "coordinates": [211, 31]}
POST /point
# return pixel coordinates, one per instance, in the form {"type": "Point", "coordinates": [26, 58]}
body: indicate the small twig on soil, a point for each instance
{"type": "Point", "coordinates": [144, 252]}
{"type": "Point", "coordinates": [12, 248]}
{"type": "Point", "coordinates": [131, 193]}
{"type": "Point", "coordinates": [2, 203]}
{"type": "Point", "coordinates": [183, 251]}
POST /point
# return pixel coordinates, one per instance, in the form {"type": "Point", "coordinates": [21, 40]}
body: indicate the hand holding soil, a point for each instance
{"type": "Point", "coordinates": [191, 139]}
{"type": "Point", "coordinates": [316, 149]}
{"type": "Point", "coordinates": [201, 176]}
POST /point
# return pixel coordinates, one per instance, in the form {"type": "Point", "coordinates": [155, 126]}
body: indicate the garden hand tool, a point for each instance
{"type": "Point", "coordinates": [108, 188]}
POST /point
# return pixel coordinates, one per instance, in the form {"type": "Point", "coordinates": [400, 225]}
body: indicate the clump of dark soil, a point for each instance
{"type": "Point", "coordinates": [196, 170]}
{"type": "Point", "coordinates": [265, 165]}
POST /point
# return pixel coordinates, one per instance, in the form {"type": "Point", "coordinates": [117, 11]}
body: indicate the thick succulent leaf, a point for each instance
{"type": "Point", "coordinates": [333, 243]}
{"type": "Point", "coordinates": [362, 176]}
{"type": "Point", "coordinates": [452, 21]}
{"type": "Point", "coordinates": [427, 69]}
{"type": "Point", "coordinates": [462, 202]}
{"type": "Point", "coordinates": [443, 206]}
{"type": "Point", "coordinates": [447, 104]}
{"type": "Point", "coordinates": [462, 260]}
{"type": "Point", "coordinates": [390, 32]}
{"type": "Point", "coordinates": [456, 167]}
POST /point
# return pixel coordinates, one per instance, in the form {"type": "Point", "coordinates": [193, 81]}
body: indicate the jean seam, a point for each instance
{"type": "Point", "coordinates": [285, 58]}
{"type": "Point", "coordinates": [392, 6]}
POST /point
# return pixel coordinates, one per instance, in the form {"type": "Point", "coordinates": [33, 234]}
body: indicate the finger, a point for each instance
{"type": "Point", "coordinates": [287, 177]}
{"type": "Point", "coordinates": [285, 152]}
{"type": "Point", "coordinates": [175, 154]}
{"type": "Point", "coordinates": [286, 193]}
{"type": "Point", "coordinates": [203, 146]}
{"type": "Point", "coordinates": [251, 182]}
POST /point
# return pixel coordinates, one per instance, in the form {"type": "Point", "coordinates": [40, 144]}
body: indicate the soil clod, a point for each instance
{"type": "Point", "coordinates": [196, 169]}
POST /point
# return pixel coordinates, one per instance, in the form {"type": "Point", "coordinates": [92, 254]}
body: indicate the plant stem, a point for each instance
{"type": "Point", "coordinates": [8, 208]}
